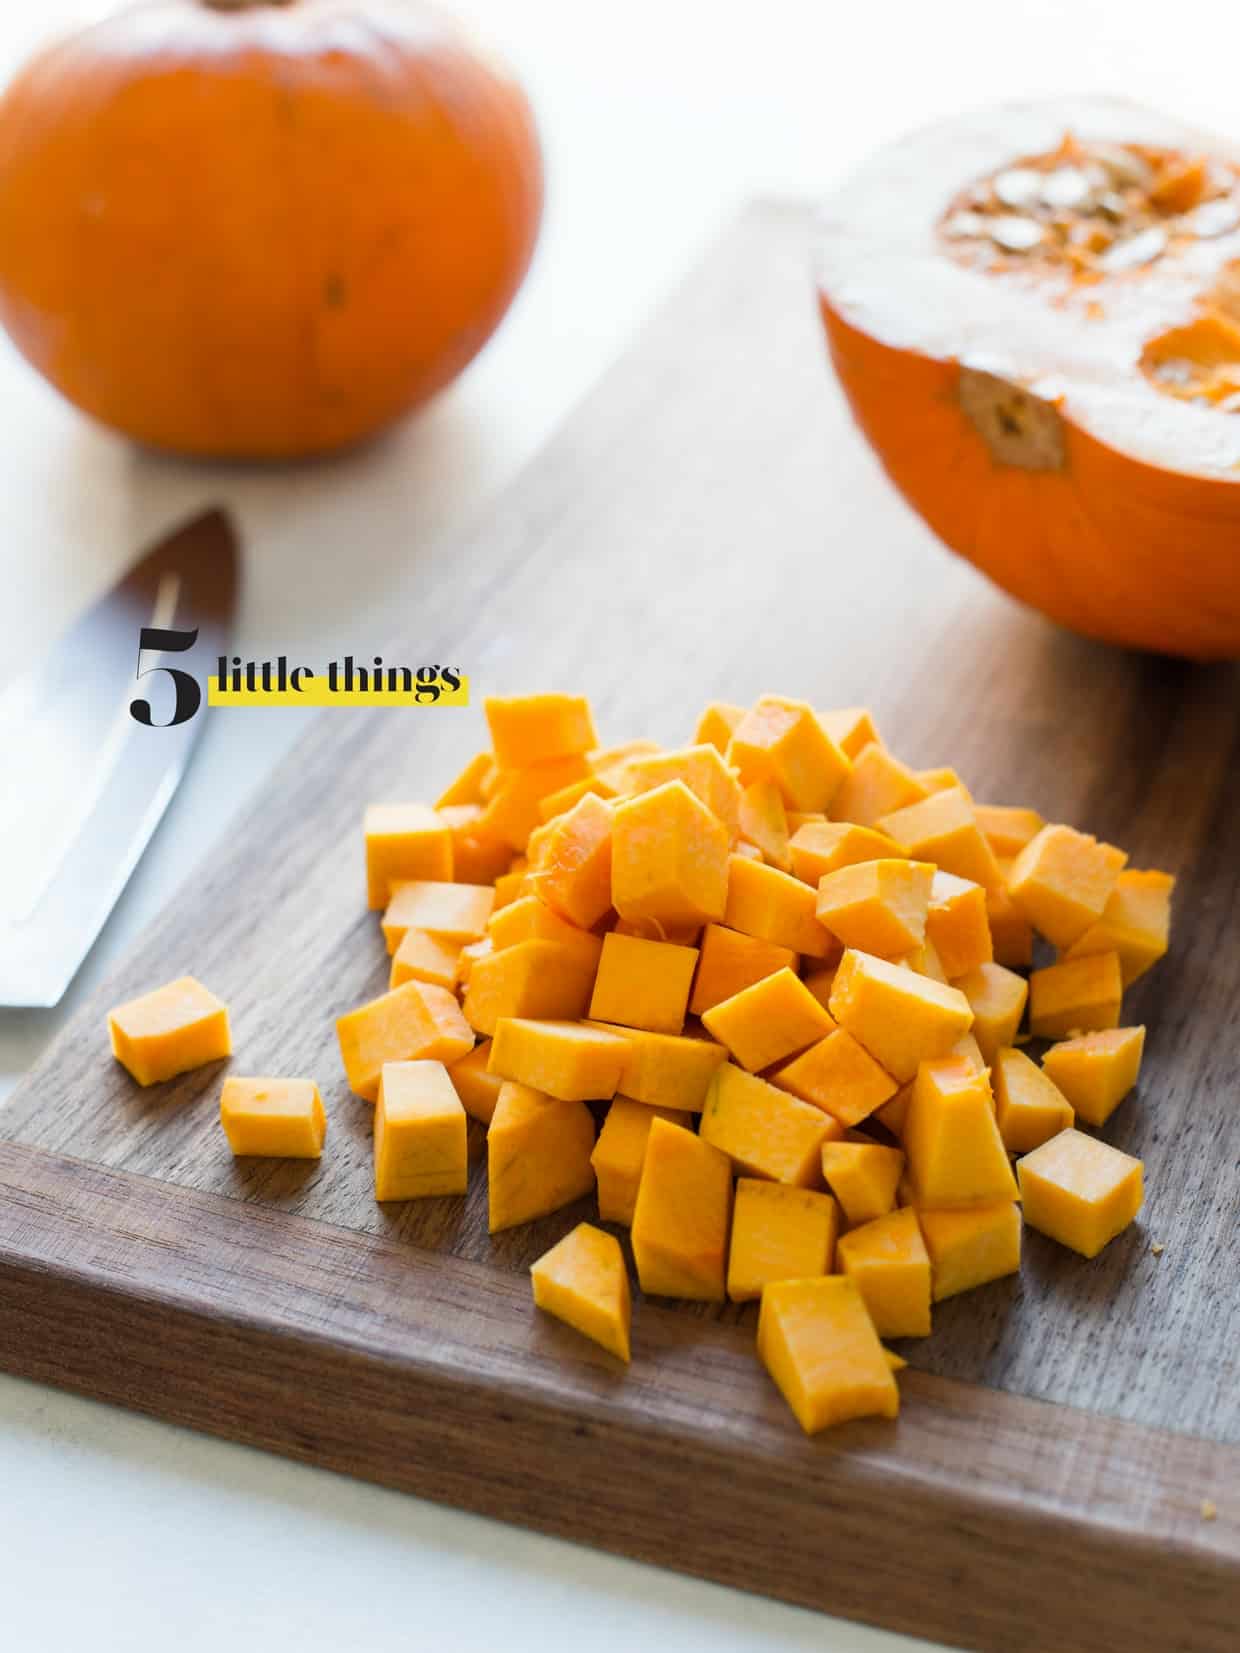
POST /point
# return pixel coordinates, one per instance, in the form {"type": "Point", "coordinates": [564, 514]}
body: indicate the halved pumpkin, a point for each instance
{"type": "Point", "coordinates": [1035, 314]}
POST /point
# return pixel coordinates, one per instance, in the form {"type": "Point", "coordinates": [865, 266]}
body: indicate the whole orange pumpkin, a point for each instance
{"type": "Point", "coordinates": [261, 230]}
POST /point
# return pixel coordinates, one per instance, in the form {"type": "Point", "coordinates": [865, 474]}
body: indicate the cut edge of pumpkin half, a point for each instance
{"type": "Point", "coordinates": [1034, 312]}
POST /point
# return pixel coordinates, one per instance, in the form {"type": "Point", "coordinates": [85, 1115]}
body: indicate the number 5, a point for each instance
{"type": "Point", "coordinates": [189, 695]}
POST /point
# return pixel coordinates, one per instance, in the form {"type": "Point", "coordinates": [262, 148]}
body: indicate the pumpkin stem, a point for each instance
{"type": "Point", "coordinates": [1018, 428]}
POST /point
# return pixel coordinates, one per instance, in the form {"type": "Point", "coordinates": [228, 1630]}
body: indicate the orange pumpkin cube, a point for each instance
{"type": "Point", "coordinates": [888, 1263]}
{"type": "Point", "coordinates": [420, 1133]}
{"type": "Point", "coordinates": [472, 1080]}
{"type": "Point", "coordinates": [997, 998]}
{"type": "Point", "coordinates": [513, 811]}
{"type": "Point", "coordinates": [1135, 923]}
{"type": "Point", "coordinates": [1008, 829]}
{"type": "Point", "coordinates": [1096, 1071]}
{"type": "Point", "coordinates": [423, 957]}
{"type": "Point", "coordinates": [566, 1060]}
{"type": "Point", "coordinates": [552, 979]}
{"type": "Point", "coordinates": [467, 787]}
{"type": "Point", "coordinates": [454, 912]}
{"type": "Point", "coordinates": [729, 961]}
{"type": "Point", "coordinates": [820, 847]}
{"type": "Point", "coordinates": [852, 728]}
{"type": "Point", "coordinates": [538, 1156]}
{"type": "Point", "coordinates": [681, 1220]}
{"type": "Point", "coordinates": [1029, 1107]}
{"type": "Point", "coordinates": [583, 1282]}
{"type": "Point", "coordinates": [571, 869]}
{"type": "Point", "coordinates": [620, 1153]}
{"type": "Point", "coordinates": [1080, 1191]}
{"type": "Point", "coordinates": [703, 771]}
{"type": "Point", "coordinates": [864, 1177]}
{"type": "Point", "coordinates": [178, 1027]}
{"type": "Point", "coordinates": [715, 726]}
{"type": "Point", "coordinates": [665, 1070]}
{"type": "Point", "coordinates": [529, 918]}
{"type": "Point", "coordinates": [939, 780]}
{"type": "Point", "coordinates": [839, 1076]}
{"type": "Point", "coordinates": [943, 828]}
{"type": "Point", "coordinates": [1062, 880]}
{"type": "Point", "coordinates": [476, 857]}
{"type": "Point", "coordinates": [669, 858]}
{"type": "Point", "coordinates": [532, 728]}
{"type": "Point", "coordinates": [763, 820]}
{"type": "Point", "coordinates": [773, 906]}
{"type": "Point", "coordinates": [971, 1248]}
{"type": "Point", "coordinates": [1011, 934]}
{"type": "Point", "coordinates": [765, 1132]}
{"type": "Point", "coordinates": [878, 784]}
{"type": "Point", "coordinates": [643, 984]}
{"type": "Point", "coordinates": [958, 924]}
{"type": "Point", "coordinates": [273, 1118]}
{"type": "Point", "coordinates": [782, 741]}
{"type": "Point", "coordinates": [818, 1342]}
{"type": "Point", "coordinates": [877, 906]}
{"type": "Point", "coordinates": [768, 1021]}
{"type": "Point", "coordinates": [414, 1022]}
{"type": "Point", "coordinates": [955, 1153]}
{"type": "Point", "coordinates": [901, 1018]}
{"type": "Point", "coordinates": [510, 886]}
{"type": "Point", "coordinates": [1080, 995]}
{"type": "Point", "coordinates": [404, 841]}
{"type": "Point", "coordinates": [778, 1233]}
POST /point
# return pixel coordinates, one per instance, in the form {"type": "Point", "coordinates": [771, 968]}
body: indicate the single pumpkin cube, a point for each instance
{"type": "Point", "coordinates": [821, 847]}
{"type": "Point", "coordinates": [901, 1018]}
{"type": "Point", "coordinates": [997, 998]}
{"type": "Point", "coordinates": [680, 1223]}
{"type": "Point", "coordinates": [643, 984]}
{"type": "Point", "coordinates": [669, 858]}
{"type": "Point", "coordinates": [716, 724]}
{"type": "Point", "coordinates": [620, 1153]}
{"type": "Point", "coordinates": [1008, 829]}
{"type": "Point", "coordinates": [971, 1248]}
{"type": "Point", "coordinates": [764, 1132]}
{"type": "Point", "coordinates": [414, 1022]}
{"type": "Point", "coordinates": [782, 741]}
{"type": "Point", "coordinates": [404, 841]}
{"type": "Point", "coordinates": [667, 1070]}
{"type": "Point", "coordinates": [454, 912]}
{"type": "Point", "coordinates": [943, 828]}
{"type": "Point", "coordinates": [552, 979]}
{"type": "Point", "coordinates": [1011, 933]}
{"type": "Point", "coordinates": [476, 857]}
{"type": "Point", "coordinates": [1062, 880]}
{"type": "Point", "coordinates": [864, 1177]}
{"type": "Point", "coordinates": [763, 820]}
{"type": "Point", "coordinates": [852, 728]}
{"type": "Point", "coordinates": [878, 784]}
{"type": "Point", "coordinates": [1080, 1191]}
{"type": "Point", "coordinates": [774, 906]}
{"type": "Point", "coordinates": [1096, 1071]}
{"type": "Point", "coordinates": [778, 1233]}
{"type": "Point", "coordinates": [468, 957]}
{"type": "Point", "coordinates": [274, 1118]}
{"type": "Point", "coordinates": [583, 1282]}
{"type": "Point", "coordinates": [703, 771]}
{"type": "Point", "coordinates": [538, 1156]}
{"type": "Point", "coordinates": [955, 1153]}
{"type": "Point", "coordinates": [421, 1147]}
{"type": "Point", "coordinates": [565, 1059]}
{"type": "Point", "coordinates": [818, 1342]}
{"type": "Point", "coordinates": [529, 918]}
{"type": "Point", "coordinates": [467, 787]}
{"type": "Point", "coordinates": [572, 868]}
{"type": "Point", "coordinates": [559, 803]}
{"type": "Point", "coordinates": [177, 1027]}
{"type": "Point", "coordinates": [958, 924]}
{"type": "Point", "coordinates": [423, 957]}
{"type": "Point", "coordinates": [941, 779]}
{"type": "Point", "coordinates": [1135, 923]}
{"type": "Point", "coordinates": [510, 886]}
{"type": "Point", "coordinates": [768, 1021]}
{"type": "Point", "coordinates": [877, 906]}
{"type": "Point", "coordinates": [1079, 995]}
{"type": "Point", "coordinates": [729, 961]}
{"type": "Point", "coordinates": [839, 1076]}
{"type": "Point", "coordinates": [475, 1084]}
{"type": "Point", "coordinates": [888, 1263]}
{"type": "Point", "coordinates": [1029, 1107]}
{"type": "Point", "coordinates": [532, 728]}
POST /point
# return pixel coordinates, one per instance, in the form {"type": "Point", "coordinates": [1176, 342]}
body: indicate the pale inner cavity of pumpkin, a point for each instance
{"type": "Point", "coordinates": [1085, 213]}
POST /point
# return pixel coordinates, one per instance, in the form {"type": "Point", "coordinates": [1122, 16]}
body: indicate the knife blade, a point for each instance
{"type": "Point", "coordinates": [83, 782]}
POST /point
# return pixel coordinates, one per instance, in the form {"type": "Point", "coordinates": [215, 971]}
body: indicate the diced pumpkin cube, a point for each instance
{"type": "Point", "coordinates": [863, 1177]}
{"type": "Point", "coordinates": [1062, 880]}
{"type": "Point", "coordinates": [901, 1018]}
{"type": "Point", "coordinates": [768, 1021]}
{"type": "Point", "coordinates": [552, 979]}
{"type": "Point", "coordinates": [971, 1248]}
{"type": "Point", "coordinates": [571, 869]}
{"type": "Point", "coordinates": [404, 841]}
{"type": "Point", "coordinates": [1008, 828]}
{"type": "Point", "coordinates": [818, 1342]}
{"type": "Point", "coordinates": [532, 728]}
{"type": "Point", "coordinates": [665, 1070]}
{"type": "Point", "coordinates": [477, 1087]}
{"type": "Point", "coordinates": [1135, 923]}
{"type": "Point", "coordinates": [559, 803]}
{"type": "Point", "coordinates": [877, 906]}
{"type": "Point", "coordinates": [716, 724]}
{"type": "Point", "coordinates": [782, 741]}
{"type": "Point", "coordinates": [467, 787]}
{"type": "Point", "coordinates": [958, 924]}
{"type": "Point", "coordinates": [765, 1132]}
{"type": "Point", "coordinates": [681, 1220]}
{"type": "Point", "coordinates": [1029, 1107]}
{"type": "Point", "coordinates": [773, 906]}
{"type": "Point", "coordinates": [852, 728]}
{"type": "Point", "coordinates": [1079, 995]}
{"type": "Point", "coordinates": [1096, 1071]}
{"type": "Point", "coordinates": [274, 1118]}
{"type": "Point", "coordinates": [955, 1153]}
{"type": "Point", "coordinates": [620, 1153]}
{"type": "Point", "coordinates": [420, 1133]}
{"type": "Point", "coordinates": [763, 820]}
{"type": "Point", "coordinates": [538, 1155]}
{"type": "Point", "coordinates": [839, 1076]}
{"type": "Point", "coordinates": [179, 1026]}
{"type": "Point", "coordinates": [514, 811]}
{"type": "Point", "coordinates": [477, 857]}
{"type": "Point", "coordinates": [669, 858]}
{"type": "Point", "coordinates": [729, 961]}
{"type": "Point", "coordinates": [939, 780]}
{"type": "Point", "coordinates": [643, 984]}
{"type": "Point", "coordinates": [878, 784]}
{"type": "Point", "coordinates": [887, 1262]}
{"type": "Point", "coordinates": [1011, 933]}
{"type": "Point", "coordinates": [414, 1022]}
{"type": "Point", "coordinates": [1080, 1191]}
{"type": "Point", "coordinates": [820, 847]}
{"type": "Point", "coordinates": [943, 828]}
{"type": "Point", "coordinates": [997, 998]}
{"type": "Point", "coordinates": [703, 771]}
{"type": "Point", "coordinates": [423, 957]}
{"type": "Point", "coordinates": [469, 956]}
{"type": "Point", "coordinates": [567, 1060]}
{"type": "Point", "coordinates": [583, 1282]}
{"type": "Point", "coordinates": [454, 912]}
{"type": "Point", "coordinates": [778, 1233]}
{"type": "Point", "coordinates": [510, 886]}
{"type": "Point", "coordinates": [529, 918]}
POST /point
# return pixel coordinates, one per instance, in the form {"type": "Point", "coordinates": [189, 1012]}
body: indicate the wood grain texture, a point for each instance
{"type": "Point", "coordinates": [428, 1373]}
{"type": "Point", "coordinates": [709, 525]}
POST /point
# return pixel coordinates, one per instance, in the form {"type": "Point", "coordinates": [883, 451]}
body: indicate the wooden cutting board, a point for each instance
{"type": "Point", "coordinates": [707, 525]}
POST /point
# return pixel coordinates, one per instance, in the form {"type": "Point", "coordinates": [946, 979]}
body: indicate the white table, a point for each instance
{"type": "Point", "coordinates": [659, 116]}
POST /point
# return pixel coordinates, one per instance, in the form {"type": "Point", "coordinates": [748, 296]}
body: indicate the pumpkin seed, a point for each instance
{"type": "Point", "coordinates": [1125, 166]}
{"type": "Point", "coordinates": [965, 223]}
{"type": "Point", "coordinates": [1067, 186]}
{"type": "Point", "coordinates": [1212, 218]}
{"type": "Point", "coordinates": [1134, 250]}
{"type": "Point", "coordinates": [1015, 235]}
{"type": "Point", "coordinates": [1019, 186]}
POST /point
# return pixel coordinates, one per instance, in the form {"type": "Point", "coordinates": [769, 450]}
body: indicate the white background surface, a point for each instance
{"type": "Point", "coordinates": [659, 116]}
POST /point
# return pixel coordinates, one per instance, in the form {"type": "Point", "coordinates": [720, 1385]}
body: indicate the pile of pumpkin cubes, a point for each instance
{"type": "Point", "coordinates": [797, 973]}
